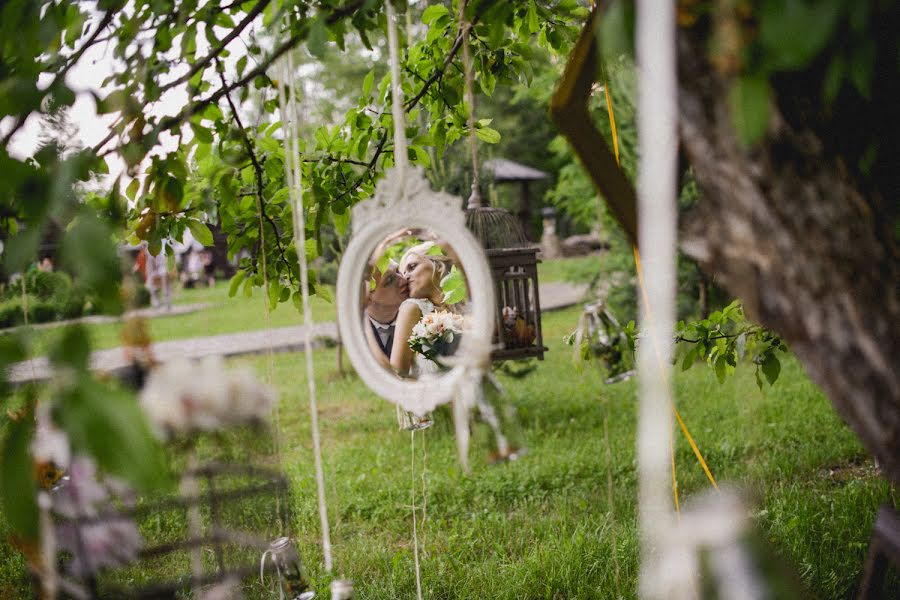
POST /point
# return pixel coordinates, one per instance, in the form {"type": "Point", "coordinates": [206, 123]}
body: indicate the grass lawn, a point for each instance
{"type": "Point", "coordinates": [543, 527]}
{"type": "Point", "coordinates": [546, 526]}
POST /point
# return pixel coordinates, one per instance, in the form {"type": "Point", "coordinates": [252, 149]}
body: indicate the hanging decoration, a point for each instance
{"type": "Point", "coordinates": [512, 258]}
{"type": "Point", "coordinates": [287, 105]}
{"type": "Point", "coordinates": [403, 200]}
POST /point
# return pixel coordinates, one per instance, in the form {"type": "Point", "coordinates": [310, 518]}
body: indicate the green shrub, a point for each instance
{"type": "Point", "coordinates": [73, 306]}
{"type": "Point", "coordinates": [11, 312]}
{"type": "Point", "coordinates": [39, 311]}
{"type": "Point", "coordinates": [328, 273]}
{"type": "Point", "coordinates": [43, 311]}
{"type": "Point", "coordinates": [48, 285]}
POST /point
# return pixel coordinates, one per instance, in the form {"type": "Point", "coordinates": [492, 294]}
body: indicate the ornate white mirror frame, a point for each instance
{"type": "Point", "coordinates": [404, 199]}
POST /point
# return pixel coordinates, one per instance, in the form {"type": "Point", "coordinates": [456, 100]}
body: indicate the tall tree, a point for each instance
{"type": "Point", "coordinates": [786, 116]}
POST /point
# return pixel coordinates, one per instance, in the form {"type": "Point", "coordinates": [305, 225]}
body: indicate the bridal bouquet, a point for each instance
{"type": "Point", "coordinates": [437, 334]}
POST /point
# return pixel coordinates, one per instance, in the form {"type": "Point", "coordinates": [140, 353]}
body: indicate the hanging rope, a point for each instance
{"type": "Point", "coordinates": [401, 161]}
{"type": "Point", "coordinates": [287, 104]}
{"type": "Point", "coordinates": [412, 453]}
{"type": "Point", "coordinates": [469, 72]}
{"type": "Point", "coordinates": [270, 357]}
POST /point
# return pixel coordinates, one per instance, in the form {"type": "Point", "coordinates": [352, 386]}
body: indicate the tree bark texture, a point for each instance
{"type": "Point", "coordinates": [784, 227]}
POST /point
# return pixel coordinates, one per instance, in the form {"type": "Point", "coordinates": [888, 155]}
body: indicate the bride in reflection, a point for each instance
{"type": "Point", "coordinates": [423, 273]}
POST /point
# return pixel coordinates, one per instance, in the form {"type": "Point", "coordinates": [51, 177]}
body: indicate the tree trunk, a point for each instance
{"type": "Point", "coordinates": [784, 227]}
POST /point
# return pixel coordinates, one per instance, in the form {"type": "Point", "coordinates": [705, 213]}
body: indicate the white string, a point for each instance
{"type": "Point", "coordinates": [412, 451]}
{"type": "Point", "coordinates": [657, 137]}
{"type": "Point", "coordinates": [397, 110]}
{"type": "Point", "coordinates": [292, 172]}
{"type": "Point", "coordinates": [400, 164]}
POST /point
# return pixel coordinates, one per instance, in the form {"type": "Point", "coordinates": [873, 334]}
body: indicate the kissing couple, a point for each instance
{"type": "Point", "coordinates": [402, 295]}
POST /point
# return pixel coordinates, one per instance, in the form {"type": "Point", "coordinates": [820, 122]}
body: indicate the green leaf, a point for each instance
{"type": "Point", "coordinates": [721, 365]}
{"type": "Point", "coordinates": [488, 135]}
{"type": "Point", "coordinates": [88, 251]}
{"type": "Point", "coordinates": [273, 291]}
{"type": "Point", "coordinates": [18, 492]}
{"type": "Point", "coordinates": [749, 99]}
{"type": "Point", "coordinates": [367, 83]}
{"type": "Point", "coordinates": [531, 17]}
{"type": "Point", "coordinates": [433, 13]}
{"type": "Point", "coordinates": [200, 231]}
{"type": "Point", "coordinates": [132, 189]}
{"type": "Point", "coordinates": [793, 32]}
{"type": "Point", "coordinates": [454, 287]}
{"type": "Point", "coordinates": [202, 134]}
{"type": "Point", "coordinates": [689, 359]}
{"type": "Point", "coordinates": [73, 348]}
{"type": "Point", "coordinates": [107, 424]}
{"type": "Point", "coordinates": [771, 368]}
{"type": "Point", "coordinates": [236, 282]}
{"type": "Point", "coordinates": [21, 249]}
{"type": "Point", "coordinates": [324, 293]}
{"type": "Point", "coordinates": [834, 78]}
{"type": "Point", "coordinates": [318, 38]}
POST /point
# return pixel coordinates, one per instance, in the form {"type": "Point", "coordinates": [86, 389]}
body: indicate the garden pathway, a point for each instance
{"type": "Point", "coordinates": [554, 296]}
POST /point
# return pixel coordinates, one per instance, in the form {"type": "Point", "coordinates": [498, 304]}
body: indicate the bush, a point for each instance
{"type": "Point", "coordinates": [48, 285]}
{"type": "Point", "coordinates": [328, 273]}
{"type": "Point", "coordinates": [43, 311]}
{"type": "Point", "coordinates": [11, 313]}
{"type": "Point", "coordinates": [39, 311]}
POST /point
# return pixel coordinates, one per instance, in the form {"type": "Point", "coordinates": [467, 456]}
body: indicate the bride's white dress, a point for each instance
{"type": "Point", "coordinates": [422, 367]}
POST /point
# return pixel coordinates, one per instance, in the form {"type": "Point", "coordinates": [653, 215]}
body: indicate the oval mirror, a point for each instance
{"type": "Point", "coordinates": [415, 295]}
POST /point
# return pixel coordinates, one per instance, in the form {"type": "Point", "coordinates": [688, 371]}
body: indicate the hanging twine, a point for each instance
{"type": "Point", "coordinates": [412, 452]}
{"type": "Point", "coordinates": [401, 158]}
{"type": "Point", "coordinates": [401, 162]}
{"type": "Point", "coordinates": [288, 108]}
{"type": "Point", "coordinates": [657, 193]}
{"type": "Point", "coordinates": [464, 28]}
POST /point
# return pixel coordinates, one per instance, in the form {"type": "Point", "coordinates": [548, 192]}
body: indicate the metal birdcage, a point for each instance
{"type": "Point", "coordinates": [513, 262]}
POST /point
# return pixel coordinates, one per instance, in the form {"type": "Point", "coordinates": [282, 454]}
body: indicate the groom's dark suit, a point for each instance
{"type": "Point", "coordinates": [379, 331]}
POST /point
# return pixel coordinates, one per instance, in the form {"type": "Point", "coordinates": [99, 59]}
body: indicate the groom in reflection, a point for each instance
{"type": "Point", "coordinates": [382, 303]}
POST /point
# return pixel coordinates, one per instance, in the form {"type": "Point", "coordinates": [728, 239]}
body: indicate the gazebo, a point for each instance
{"type": "Point", "coordinates": [503, 170]}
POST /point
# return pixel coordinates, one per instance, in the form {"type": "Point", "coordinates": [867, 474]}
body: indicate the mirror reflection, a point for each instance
{"type": "Point", "coordinates": [416, 304]}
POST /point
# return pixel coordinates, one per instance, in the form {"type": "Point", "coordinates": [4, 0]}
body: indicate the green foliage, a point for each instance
{"type": "Point", "coordinates": [454, 286]}
{"type": "Point", "coordinates": [722, 341]}
{"type": "Point", "coordinates": [725, 338]}
{"type": "Point", "coordinates": [18, 491]}
{"type": "Point", "coordinates": [107, 423]}
{"type": "Point", "coordinates": [49, 296]}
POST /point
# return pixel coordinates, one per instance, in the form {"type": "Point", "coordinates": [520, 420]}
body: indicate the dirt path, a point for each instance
{"type": "Point", "coordinates": [554, 296]}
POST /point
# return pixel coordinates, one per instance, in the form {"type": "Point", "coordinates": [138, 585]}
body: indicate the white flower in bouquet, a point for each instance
{"type": "Point", "coordinates": [436, 333]}
{"type": "Point", "coordinates": [204, 395]}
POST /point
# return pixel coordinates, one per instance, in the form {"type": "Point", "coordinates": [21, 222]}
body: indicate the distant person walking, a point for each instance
{"type": "Point", "coordinates": [156, 275]}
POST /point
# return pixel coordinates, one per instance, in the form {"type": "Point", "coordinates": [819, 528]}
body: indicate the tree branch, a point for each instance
{"type": "Point", "coordinates": [61, 76]}
{"type": "Point", "coordinates": [451, 54]}
{"type": "Point", "coordinates": [214, 53]}
{"type": "Point", "coordinates": [192, 109]}
{"type": "Point", "coordinates": [257, 167]}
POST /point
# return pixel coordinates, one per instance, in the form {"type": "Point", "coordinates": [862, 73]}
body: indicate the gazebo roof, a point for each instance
{"type": "Point", "coordinates": [508, 170]}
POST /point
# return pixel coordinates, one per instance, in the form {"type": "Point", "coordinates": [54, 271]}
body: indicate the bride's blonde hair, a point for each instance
{"type": "Point", "coordinates": [439, 263]}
